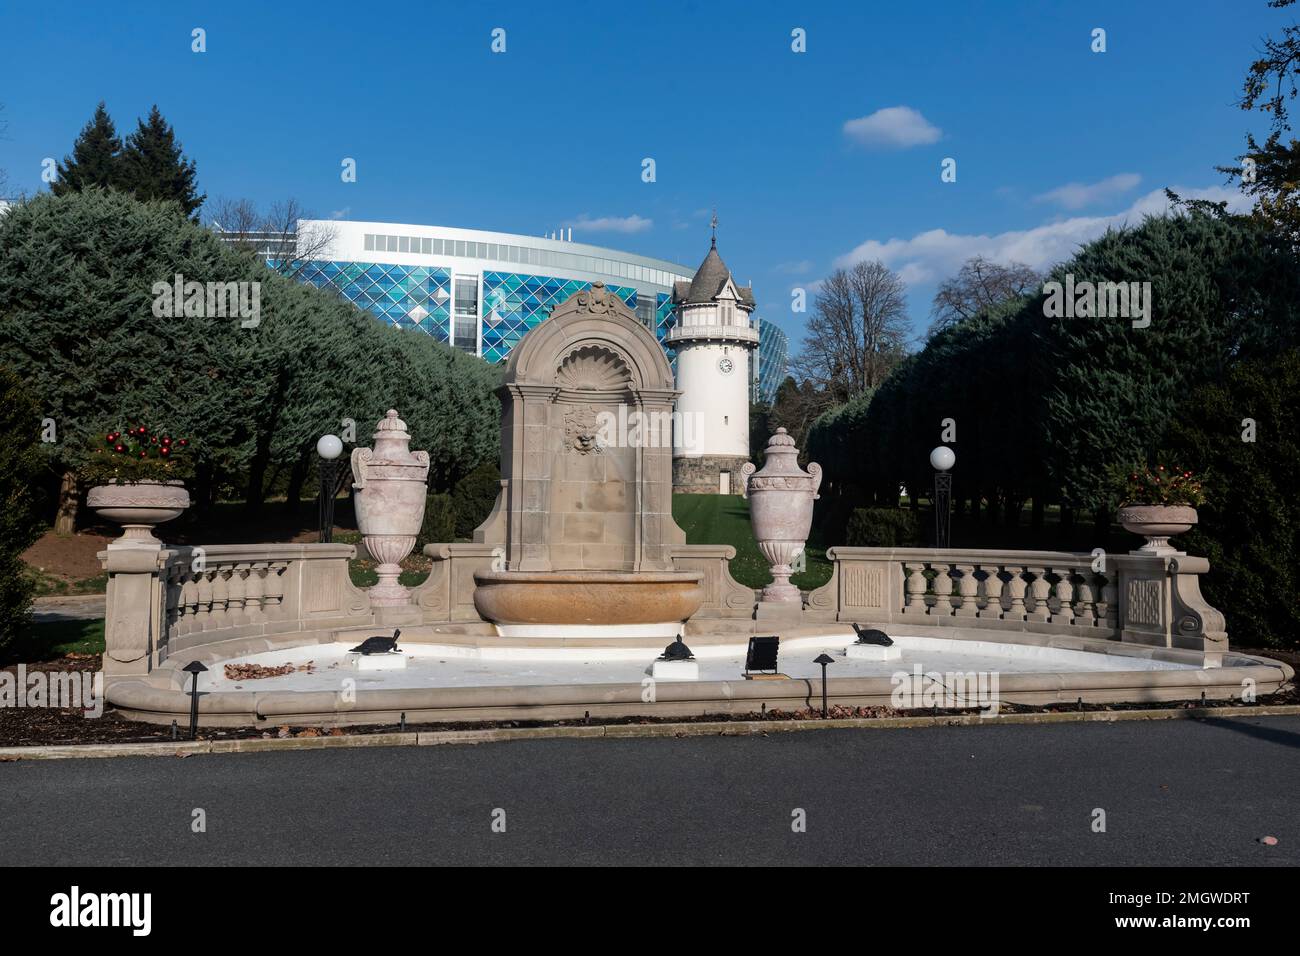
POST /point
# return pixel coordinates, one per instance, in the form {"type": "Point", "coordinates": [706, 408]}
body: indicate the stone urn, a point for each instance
{"type": "Point", "coordinates": [1157, 523]}
{"type": "Point", "coordinates": [138, 506]}
{"type": "Point", "coordinates": [389, 482]}
{"type": "Point", "coordinates": [781, 498]}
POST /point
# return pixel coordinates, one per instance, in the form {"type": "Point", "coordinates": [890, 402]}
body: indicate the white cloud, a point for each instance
{"type": "Point", "coordinates": [1078, 195]}
{"type": "Point", "coordinates": [611, 223]}
{"type": "Point", "coordinates": [895, 127]}
{"type": "Point", "coordinates": [929, 256]}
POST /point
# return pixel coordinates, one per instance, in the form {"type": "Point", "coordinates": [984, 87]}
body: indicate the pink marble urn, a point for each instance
{"type": "Point", "coordinates": [390, 485]}
{"type": "Point", "coordinates": [781, 498]}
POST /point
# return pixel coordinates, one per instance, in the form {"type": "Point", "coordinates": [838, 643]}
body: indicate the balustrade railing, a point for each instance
{"type": "Point", "coordinates": [1135, 598]}
{"type": "Point", "coordinates": [183, 596]}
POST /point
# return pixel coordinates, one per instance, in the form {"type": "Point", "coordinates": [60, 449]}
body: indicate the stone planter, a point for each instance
{"type": "Point", "coordinates": [1157, 523]}
{"type": "Point", "coordinates": [138, 506]}
{"type": "Point", "coordinates": [781, 498]}
{"type": "Point", "coordinates": [390, 485]}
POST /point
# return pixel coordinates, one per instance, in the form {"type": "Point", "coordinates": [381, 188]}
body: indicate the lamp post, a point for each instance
{"type": "Point", "coordinates": [194, 669]}
{"type": "Point", "coordinates": [329, 447]}
{"type": "Point", "coordinates": [823, 660]}
{"type": "Point", "coordinates": [942, 459]}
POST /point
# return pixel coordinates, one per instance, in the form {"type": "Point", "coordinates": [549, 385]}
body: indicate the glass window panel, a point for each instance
{"type": "Point", "coordinates": [392, 243]}
{"type": "Point", "coordinates": [403, 244]}
{"type": "Point", "coordinates": [370, 242]}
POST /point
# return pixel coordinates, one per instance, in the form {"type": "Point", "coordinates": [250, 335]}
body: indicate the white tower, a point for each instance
{"type": "Point", "coordinates": [713, 337]}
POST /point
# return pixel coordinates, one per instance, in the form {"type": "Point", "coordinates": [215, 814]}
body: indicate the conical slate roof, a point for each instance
{"type": "Point", "coordinates": [710, 278]}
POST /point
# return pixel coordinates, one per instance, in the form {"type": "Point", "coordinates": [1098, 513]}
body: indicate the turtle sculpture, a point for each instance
{"type": "Point", "coordinates": [872, 636]}
{"type": "Point", "coordinates": [377, 645]}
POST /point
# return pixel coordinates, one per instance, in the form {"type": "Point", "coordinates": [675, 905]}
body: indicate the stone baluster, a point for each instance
{"type": "Point", "coordinates": [1036, 608]}
{"type": "Point", "coordinates": [968, 588]}
{"type": "Point", "coordinates": [942, 590]}
{"type": "Point", "coordinates": [220, 599]}
{"type": "Point", "coordinates": [254, 589]}
{"type": "Point", "coordinates": [992, 608]}
{"type": "Point", "coordinates": [203, 604]}
{"type": "Point", "coordinates": [1085, 603]}
{"type": "Point", "coordinates": [1016, 587]}
{"type": "Point", "coordinates": [171, 603]}
{"type": "Point", "coordinates": [189, 603]}
{"type": "Point", "coordinates": [915, 587]}
{"type": "Point", "coordinates": [1064, 597]}
{"type": "Point", "coordinates": [273, 591]}
{"type": "Point", "coordinates": [238, 588]}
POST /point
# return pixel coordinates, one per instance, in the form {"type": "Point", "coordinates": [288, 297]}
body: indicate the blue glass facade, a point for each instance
{"type": "Point", "coordinates": [514, 303]}
{"type": "Point", "coordinates": [773, 359]}
{"type": "Point", "coordinates": [420, 298]}
{"type": "Point", "coordinates": [410, 297]}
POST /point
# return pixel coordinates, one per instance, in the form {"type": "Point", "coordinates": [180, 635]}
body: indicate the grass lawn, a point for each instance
{"type": "Point", "coordinates": [724, 519]}
{"type": "Point", "coordinates": [54, 639]}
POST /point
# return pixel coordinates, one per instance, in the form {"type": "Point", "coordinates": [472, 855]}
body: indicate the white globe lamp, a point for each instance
{"type": "Point", "coordinates": [943, 458]}
{"type": "Point", "coordinates": [331, 446]}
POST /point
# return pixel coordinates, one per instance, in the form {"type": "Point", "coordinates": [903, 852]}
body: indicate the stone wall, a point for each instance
{"type": "Point", "coordinates": [699, 476]}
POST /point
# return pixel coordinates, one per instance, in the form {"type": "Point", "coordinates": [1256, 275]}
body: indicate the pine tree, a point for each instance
{"type": "Point", "coordinates": [96, 157]}
{"type": "Point", "coordinates": [153, 166]}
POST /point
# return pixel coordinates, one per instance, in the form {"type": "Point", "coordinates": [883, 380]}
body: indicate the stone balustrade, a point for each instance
{"type": "Point", "coordinates": [1143, 599]}
{"type": "Point", "coordinates": [163, 602]}
{"type": "Point", "coordinates": [160, 602]}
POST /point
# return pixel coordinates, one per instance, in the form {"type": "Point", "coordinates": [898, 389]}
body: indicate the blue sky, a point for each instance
{"type": "Point", "coordinates": [1052, 141]}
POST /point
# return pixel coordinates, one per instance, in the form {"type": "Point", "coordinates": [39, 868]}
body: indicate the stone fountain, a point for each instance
{"type": "Point", "coordinates": [583, 524]}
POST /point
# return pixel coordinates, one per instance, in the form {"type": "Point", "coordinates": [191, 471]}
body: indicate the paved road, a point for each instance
{"type": "Point", "coordinates": [1174, 792]}
{"type": "Point", "coordinates": [80, 607]}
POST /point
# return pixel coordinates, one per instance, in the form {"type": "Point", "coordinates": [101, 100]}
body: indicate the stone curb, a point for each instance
{"type": "Point", "coordinates": [733, 728]}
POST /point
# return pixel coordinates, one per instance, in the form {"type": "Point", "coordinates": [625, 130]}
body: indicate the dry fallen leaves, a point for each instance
{"type": "Point", "coordinates": [258, 671]}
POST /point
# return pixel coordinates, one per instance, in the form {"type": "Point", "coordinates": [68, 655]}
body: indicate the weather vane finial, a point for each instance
{"type": "Point", "coordinates": [714, 224]}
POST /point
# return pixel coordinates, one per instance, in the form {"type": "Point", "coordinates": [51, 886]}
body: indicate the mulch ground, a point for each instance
{"type": "Point", "coordinates": [28, 727]}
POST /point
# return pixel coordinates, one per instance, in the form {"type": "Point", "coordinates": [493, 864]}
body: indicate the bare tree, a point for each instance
{"type": "Point", "coordinates": [979, 284]}
{"type": "Point", "coordinates": [274, 235]}
{"type": "Point", "coordinates": [857, 332]}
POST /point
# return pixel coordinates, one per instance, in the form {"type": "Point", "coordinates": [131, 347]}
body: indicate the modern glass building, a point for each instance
{"type": "Point", "coordinates": [481, 291]}
{"type": "Point", "coordinates": [773, 360]}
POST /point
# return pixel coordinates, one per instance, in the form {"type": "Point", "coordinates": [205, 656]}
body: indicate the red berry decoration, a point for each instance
{"type": "Point", "coordinates": [119, 448]}
{"type": "Point", "coordinates": [164, 451]}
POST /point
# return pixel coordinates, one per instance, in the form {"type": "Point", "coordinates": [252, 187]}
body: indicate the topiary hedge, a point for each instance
{"type": "Point", "coordinates": [883, 528]}
{"type": "Point", "coordinates": [21, 467]}
{"type": "Point", "coordinates": [1244, 436]}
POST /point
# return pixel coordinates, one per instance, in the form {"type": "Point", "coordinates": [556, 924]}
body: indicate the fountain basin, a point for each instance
{"type": "Point", "coordinates": [588, 598]}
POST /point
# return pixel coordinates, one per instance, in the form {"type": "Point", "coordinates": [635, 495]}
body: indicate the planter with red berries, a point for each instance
{"type": "Point", "coordinates": [136, 478]}
{"type": "Point", "coordinates": [1160, 503]}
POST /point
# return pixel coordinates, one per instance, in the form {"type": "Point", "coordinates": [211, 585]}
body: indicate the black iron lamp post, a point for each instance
{"type": "Point", "coordinates": [942, 459]}
{"type": "Point", "coordinates": [329, 447]}
{"type": "Point", "coordinates": [823, 660]}
{"type": "Point", "coordinates": [194, 668]}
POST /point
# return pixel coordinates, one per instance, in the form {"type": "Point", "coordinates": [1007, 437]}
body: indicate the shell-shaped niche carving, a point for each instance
{"type": "Point", "coordinates": [592, 368]}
